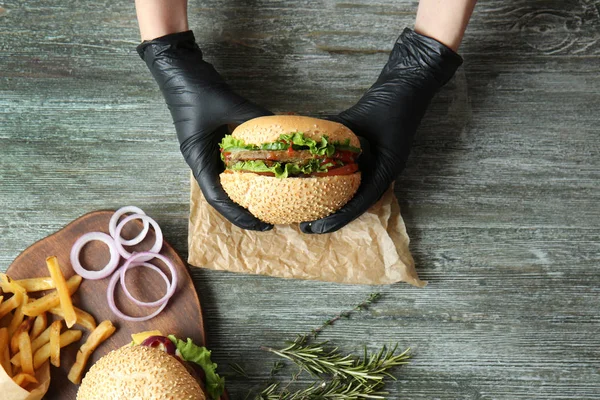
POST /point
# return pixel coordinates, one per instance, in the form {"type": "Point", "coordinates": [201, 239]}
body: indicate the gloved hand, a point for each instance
{"type": "Point", "coordinates": [202, 105]}
{"type": "Point", "coordinates": [386, 118]}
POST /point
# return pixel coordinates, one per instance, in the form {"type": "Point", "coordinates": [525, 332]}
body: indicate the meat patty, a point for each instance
{"type": "Point", "coordinates": [282, 156]}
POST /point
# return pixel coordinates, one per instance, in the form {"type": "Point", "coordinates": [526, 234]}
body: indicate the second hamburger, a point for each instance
{"type": "Point", "coordinates": [153, 367]}
{"type": "Point", "coordinates": [288, 169]}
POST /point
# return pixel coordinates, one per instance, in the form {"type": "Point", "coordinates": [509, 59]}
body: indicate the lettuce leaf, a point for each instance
{"type": "Point", "coordinates": [282, 170]}
{"type": "Point", "coordinates": [230, 143]}
{"type": "Point", "coordinates": [345, 146]}
{"type": "Point", "coordinates": [275, 146]}
{"type": "Point", "coordinates": [215, 385]}
{"type": "Point", "coordinates": [296, 139]}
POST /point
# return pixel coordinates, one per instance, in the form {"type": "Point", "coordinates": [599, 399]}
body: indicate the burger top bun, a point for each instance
{"type": "Point", "coordinates": [268, 129]}
{"type": "Point", "coordinates": [140, 373]}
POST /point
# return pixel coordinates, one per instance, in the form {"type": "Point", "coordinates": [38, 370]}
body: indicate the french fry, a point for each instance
{"type": "Point", "coordinates": [18, 316]}
{"type": "Point", "coordinates": [43, 353]}
{"type": "Point", "coordinates": [104, 330]}
{"type": "Point", "coordinates": [63, 291]}
{"type": "Point", "coordinates": [33, 342]}
{"type": "Point", "coordinates": [39, 325]}
{"type": "Point", "coordinates": [4, 351]}
{"type": "Point", "coordinates": [10, 304]}
{"type": "Point", "coordinates": [1, 319]}
{"type": "Point", "coordinates": [41, 340]}
{"type": "Point", "coordinates": [43, 304]}
{"type": "Point", "coordinates": [36, 284]}
{"type": "Point", "coordinates": [9, 285]}
{"type": "Point", "coordinates": [4, 282]}
{"type": "Point", "coordinates": [22, 379]}
{"type": "Point", "coordinates": [36, 344]}
{"type": "Point", "coordinates": [84, 319]}
{"type": "Point", "coordinates": [16, 337]}
{"type": "Point", "coordinates": [26, 355]}
{"type": "Point", "coordinates": [55, 343]}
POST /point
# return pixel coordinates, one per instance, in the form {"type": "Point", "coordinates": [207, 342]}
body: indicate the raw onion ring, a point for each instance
{"type": "Point", "coordinates": [171, 286]}
{"type": "Point", "coordinates": [157, 243]}
{"type": "Point", "coordinates": [110, 297]}
{"type": "Point", "coordinates": [108, 268]}
{"type": "Point", "coordinates": [112, 225]}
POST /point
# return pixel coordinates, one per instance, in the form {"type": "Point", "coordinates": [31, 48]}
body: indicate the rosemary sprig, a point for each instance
{"type": "Point", "coordinates": [337, 376]}
{"type": "Point", "coordinates": [373, 297]}
{"type": "Point", "coordinates": [334, 389]}
{"type": "Point", "coordinates": [318, 360]}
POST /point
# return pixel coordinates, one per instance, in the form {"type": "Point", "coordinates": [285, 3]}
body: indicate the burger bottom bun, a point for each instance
{"type": "Point", "coordinates": [139, 373]}
{"type": "Point", "coordinates": [289, 200]}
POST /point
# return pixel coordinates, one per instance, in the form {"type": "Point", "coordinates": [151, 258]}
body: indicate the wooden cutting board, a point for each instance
{"type": "Point", "coordinates": [182, 316]}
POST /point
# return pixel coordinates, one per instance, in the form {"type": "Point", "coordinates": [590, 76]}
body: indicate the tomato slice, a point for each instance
{"type": "Point", "coordinates": [347, 157]}
{"type": "Point", "coordinates": [347, 169]}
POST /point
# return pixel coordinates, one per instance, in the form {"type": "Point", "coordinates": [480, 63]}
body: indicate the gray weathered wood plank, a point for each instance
{"type": "Point", "coordinates": [500, 196]}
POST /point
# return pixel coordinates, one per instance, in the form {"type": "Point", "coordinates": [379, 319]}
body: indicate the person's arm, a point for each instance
{"type": "Point", "coordinates": [444, 20]}
{"type": "Point", "coordinates": [200, 101]}
{"type": "Point", "coordinates": [388, 115]}
{"type": "Point", "coordinates": [158, 18]}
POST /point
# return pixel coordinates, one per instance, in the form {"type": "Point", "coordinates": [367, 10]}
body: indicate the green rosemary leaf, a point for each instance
{"type": "Point", "coordinates": [237, 368]}
{"type": "Point", "coordinates": [277, 366]}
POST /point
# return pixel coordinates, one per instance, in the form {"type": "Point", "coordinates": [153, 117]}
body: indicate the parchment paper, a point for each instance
{"type": "Point", "coordinates": [371, 250]}
{"type": "Point", "coordinates": [11, 391]}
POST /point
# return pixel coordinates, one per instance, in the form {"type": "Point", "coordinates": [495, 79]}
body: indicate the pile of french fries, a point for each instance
{"type": "Point", "coordinates": [28, 337]}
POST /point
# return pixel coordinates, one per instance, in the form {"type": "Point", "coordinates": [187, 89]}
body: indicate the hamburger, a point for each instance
{"type": "Point", "coordinates": [157, 367]}
{"type": "Point", "coordinates": [288, 169]}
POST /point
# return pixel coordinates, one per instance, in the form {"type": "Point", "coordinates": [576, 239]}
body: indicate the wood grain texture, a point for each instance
{"type": "Point", "coordinates": [500, 196]}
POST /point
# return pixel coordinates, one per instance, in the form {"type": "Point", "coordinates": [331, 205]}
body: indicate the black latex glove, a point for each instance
{"type": "Point", "coordinates": [386, 118]}
{"type": "Point", "coordinates": [202, 105]}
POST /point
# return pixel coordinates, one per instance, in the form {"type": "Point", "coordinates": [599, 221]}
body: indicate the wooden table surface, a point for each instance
{"type": "Point", "coordinates": [501, 195]}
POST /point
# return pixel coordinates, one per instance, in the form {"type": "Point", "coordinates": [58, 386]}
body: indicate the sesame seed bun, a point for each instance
{"type": "Point", "coordinates": [293, 199]}
{"type": "Point", "coordinates": [268, 129]}
{"type": "Point", "coordinates": [290, 200]}
{"type": "Point", "coordinates": [139, 372]}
